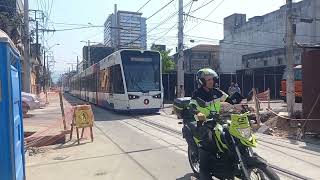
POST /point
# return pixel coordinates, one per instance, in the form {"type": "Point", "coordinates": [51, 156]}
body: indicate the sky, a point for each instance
{"type": "Point", "coordinates": [61, 13]}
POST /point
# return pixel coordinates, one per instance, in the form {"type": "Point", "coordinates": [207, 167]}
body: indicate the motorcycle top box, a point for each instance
{"type": "Point", "coordinates": [181, 108]}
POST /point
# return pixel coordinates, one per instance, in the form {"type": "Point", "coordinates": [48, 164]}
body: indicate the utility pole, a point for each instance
{"type": "Point", "coordinates": [44, 76]}
{"type": "Point", "coordinates": [77, 64]}
{"type": "Point", "coordinates": [48, 73]}
{"type": "Point", "coordinates": [44, 70]}
{"type": "Point", "coordinates": [26, 55]}
{"type": "Point", "coordinates": [117, 34]}
{"type": "Point", "coordinates": [289, 56]}
{"type": "Point", "coordinates": [89, 57]}
{"type": "Point", "coordinates": [180, 71]}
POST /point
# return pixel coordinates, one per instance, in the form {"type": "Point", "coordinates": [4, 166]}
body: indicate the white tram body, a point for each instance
{"type": "Point", "coordinates": [128, 80]}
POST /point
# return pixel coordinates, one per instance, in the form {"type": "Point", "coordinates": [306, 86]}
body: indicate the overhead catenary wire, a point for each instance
{"type": "Point", "coordinates": [236, 42]}
{"type": "Point", "coordinates": [186, 18]}
{"type": "Point", "coordinates": [127, 19]}
{"type": "Point", "coordinates": [206, 16]}
{"type": "Point", "coordinates": [159, 10]}
{"type": "Point", "coordinates": [264, 31]}
{"type": "Point", "coordinates": [160, 24]}
{"type": "Point", "coordinates": [143, 5]}
{"type": "Point", "coordinates": [202, 6]}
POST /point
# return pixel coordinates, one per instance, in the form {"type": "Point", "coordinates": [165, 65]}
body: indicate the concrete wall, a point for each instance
{"type": "Point", "coordinates": [200, 56]}
{"type": "Point", "coordinates": [262, 33]}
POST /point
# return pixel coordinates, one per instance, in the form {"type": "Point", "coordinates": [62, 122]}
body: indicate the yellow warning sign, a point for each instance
{"type": "Point", "coordinates": [83, 116]}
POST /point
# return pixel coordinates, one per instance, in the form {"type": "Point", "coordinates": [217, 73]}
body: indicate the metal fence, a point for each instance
{"type": "Point", "coordinates": [261, 79]}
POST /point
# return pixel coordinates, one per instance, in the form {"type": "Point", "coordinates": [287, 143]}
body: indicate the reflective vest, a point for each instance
{"type": "Point", "coordinates": [209, 106]}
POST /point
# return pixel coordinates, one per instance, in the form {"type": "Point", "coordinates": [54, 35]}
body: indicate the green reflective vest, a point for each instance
{"type": "Point", "coordinates": [209, 106]}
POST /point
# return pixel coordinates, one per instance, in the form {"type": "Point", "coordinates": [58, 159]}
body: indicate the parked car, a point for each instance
{"type": "Point", "coordinates": [30, 101]}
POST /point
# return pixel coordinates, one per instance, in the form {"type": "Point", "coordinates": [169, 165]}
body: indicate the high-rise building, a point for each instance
{"type": "Point", "coordinates": [125, 30]}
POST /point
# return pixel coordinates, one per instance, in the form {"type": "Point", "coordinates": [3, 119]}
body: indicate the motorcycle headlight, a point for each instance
{"type": "Point", "coordinates": [245, 132]}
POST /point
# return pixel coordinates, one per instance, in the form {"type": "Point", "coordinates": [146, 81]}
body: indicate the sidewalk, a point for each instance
{"type": "Point", "coordinates": [100, 159]}
{"type": "Point", "coordinates": [49, 114]}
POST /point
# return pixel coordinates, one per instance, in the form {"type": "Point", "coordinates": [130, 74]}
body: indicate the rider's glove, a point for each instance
{"type": "Point", "coordinates": [201, 117]}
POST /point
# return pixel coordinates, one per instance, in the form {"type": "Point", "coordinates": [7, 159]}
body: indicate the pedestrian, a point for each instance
{"type": "Point", "coordinates": [232, 89]}
{"type": "Point", "coordinates": [237, 88]}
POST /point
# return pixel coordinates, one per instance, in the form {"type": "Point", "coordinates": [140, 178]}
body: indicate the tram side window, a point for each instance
{"type": "Point", "coordinates": [104, 81]}
{"type": "Point", "coordinates": [85, 83]}
{"type": "Point", "coordinates": [91, 83]}
{"type": "Point", "coordinates": [117, 79]}
{"type": "Point", "coordinates": [94, 81]}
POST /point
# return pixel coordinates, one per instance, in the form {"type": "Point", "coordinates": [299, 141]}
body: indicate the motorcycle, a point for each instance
{"type": "Point", "coordinates": [231, 153]}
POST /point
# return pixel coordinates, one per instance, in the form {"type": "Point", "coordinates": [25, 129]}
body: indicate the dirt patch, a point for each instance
{"type": "Point", "coordinates": [281, 127]}
{"type": "Point", "coordinates": [33, 151]}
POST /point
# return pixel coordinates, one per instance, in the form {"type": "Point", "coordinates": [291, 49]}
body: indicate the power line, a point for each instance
{"type": "Point", "coordinates": [188, 13]}
{"type": "Point", "coordinates": [165, 33]}
{"type": "Point", "coordinates": [202, 6]}
{"type": "Point", "coordinates": [50, 8]}
{"type": "Point", "coordinates": [128, 19]}
{"type": "Point", "coordinates": [237, 42]}
{"type": "Point", "coordinates": [272, 32]}
{"type": "Point", "coordinates": [215, 22]}
{"type": "Point", "coordinates": [73, 24]}
{"type": "Point", "coordinates": [163, 7]}
{"type": "Point", "coordinates": [69, 29]}
{"type": "Point", "coordinates": [161, 23]}
{"type": "Point", "coordinates": [143, 5]}
{"type": "Point", "coordinates": [206, 16]}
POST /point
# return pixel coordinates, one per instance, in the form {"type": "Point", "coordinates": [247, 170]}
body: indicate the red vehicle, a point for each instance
{"type": "Point", "coordinates": [297, 84]}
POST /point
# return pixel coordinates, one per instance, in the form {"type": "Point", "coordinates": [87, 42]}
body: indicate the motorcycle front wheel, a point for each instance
{"type": "Point", "coordinates": [194, 160]}
{"type": "Point", "coordinates": [262, 172]}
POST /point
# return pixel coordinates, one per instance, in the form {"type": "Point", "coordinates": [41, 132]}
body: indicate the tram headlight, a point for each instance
{"type": "Point", "coordinates": [158, 96]}
{"type": "Point", "coordinates": [133, 97]}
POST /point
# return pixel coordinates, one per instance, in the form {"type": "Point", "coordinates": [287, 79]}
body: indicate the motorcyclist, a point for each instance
{"type": "Point", "coordinates": [205, 100]}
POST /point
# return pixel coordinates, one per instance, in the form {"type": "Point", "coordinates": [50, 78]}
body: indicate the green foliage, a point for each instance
{"type": "Point", "coordinates": [167, 63]}
{"type": "Point", "coordinates": [11, 25]}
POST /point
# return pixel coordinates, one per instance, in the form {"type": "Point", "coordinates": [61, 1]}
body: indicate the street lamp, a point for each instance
{"type": "Point", "coordinates": [57, 44]}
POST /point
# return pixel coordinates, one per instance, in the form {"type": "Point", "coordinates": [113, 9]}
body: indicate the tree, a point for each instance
{"type": "Point", "coordinates": [11, 24]}
{"type": "Point", "coordinates": [167, 62]}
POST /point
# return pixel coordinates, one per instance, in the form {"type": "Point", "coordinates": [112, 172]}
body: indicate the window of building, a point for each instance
{"type": "Point", "coordinates": [265, 63]}
{"type": "Point", "coordinates": [279, 61]}
{"type": "Point", "coordinates": [246, 63]}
